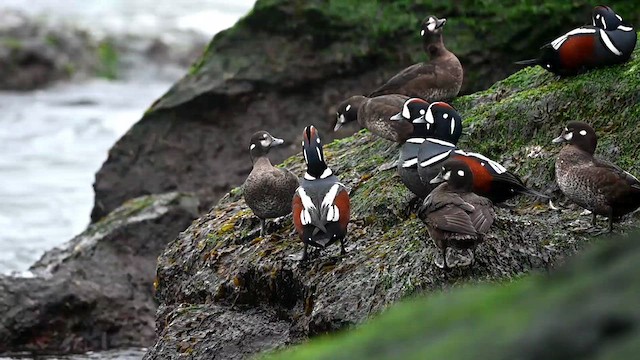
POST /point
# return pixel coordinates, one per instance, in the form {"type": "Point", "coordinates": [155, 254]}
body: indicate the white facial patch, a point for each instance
{"type": "Point", "coordinates": [447, 175]}
{"type": "Point", "coordinates": [453, 125]}
{"type": "Point", "coordinates": [608, 43]}
{"type": "Point", "coordinates": [460, 173]}
{"type": "Point", "coordinates": [568, 136]}
{"type": "Point", "coordinates": [342, 119]}
{"type": "Point", "coordinates": [445, 115]}
{"type": "Point", "coordinates": [319, 154]}
{"type": "Point", "coordinates": [405, 112]}
{"type": "Point", "coordinates": [318, 140]}
{"type": "Point", "coordinates": [253, 146]}
{"type": "Point", "coordinates": [265, 143]}
{"type": "Point", "coordinates": [431, 25]}
{"type": "Point", "coordinates": [583, 132]}
{"type": "Point", "coordinates": [604, 23]}
{"type": "Point", "coordinates": [304, 152]}
{"type": "Point", "coordinates": [429, 117]}
{"type": "Point", "coordinates": [348, 107]}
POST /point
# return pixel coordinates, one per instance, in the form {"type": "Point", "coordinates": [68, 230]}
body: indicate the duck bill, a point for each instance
{"type": "Point", "coordinates": [438, 179]}
{"type": "Point", "coordinates": [339, 122]}
{"type": "Point", "coordinates": [276, 142]}
{"type": "Point", "coordinates": [558, 140]}
{"type": "Point", "coordinates": [396, 117]}
{"type": "Point", "coordinates": [564, 137]}
{"type": "Point", "coordinates": [440, 23]}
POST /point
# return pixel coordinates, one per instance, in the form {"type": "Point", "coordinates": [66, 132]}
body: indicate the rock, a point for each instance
{"type": "Point", "coordinates": [36, 52]}
{"type": "Point", "coordinates": [288, 64]}
{"type": "Point", "coordinates": [96, 292]}
{"type": "Point", "coordinates": [587, 310]}
{"type": "Point", "coordinates": [220, 262]}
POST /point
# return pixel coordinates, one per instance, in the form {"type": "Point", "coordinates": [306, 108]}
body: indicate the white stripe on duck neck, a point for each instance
{"type": "Point", "coordinates": [325, 174]}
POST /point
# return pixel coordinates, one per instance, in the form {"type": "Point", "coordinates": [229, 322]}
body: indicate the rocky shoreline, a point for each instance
{"type": "Point", "coordinates": [224, 290]}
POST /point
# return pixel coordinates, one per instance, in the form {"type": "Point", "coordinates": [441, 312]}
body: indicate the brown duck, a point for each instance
{"type": "Point", "coordinates": [439, 79]}
{"type": "Point", "coordinates": [268, 191]}
{"type": "Point", "coordinates": [455, 216]}
{"type": "Point", "coordinates": [375, 114]}
{"type": "Point", "coordinates": [594, 184]}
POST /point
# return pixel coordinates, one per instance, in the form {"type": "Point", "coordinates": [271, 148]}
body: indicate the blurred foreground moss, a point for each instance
{"type": "Point", "coordinates": [586, 310]}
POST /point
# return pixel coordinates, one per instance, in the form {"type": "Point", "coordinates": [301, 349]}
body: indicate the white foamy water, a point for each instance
{"type": "Point", "coordinates": [52, 141]}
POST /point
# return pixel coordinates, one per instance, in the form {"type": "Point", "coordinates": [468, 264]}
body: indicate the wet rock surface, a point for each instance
{"type": "Point", "coordinates": [96, 292]}
{"type": "Point", "coordinates": [288, 64]}
{"type": "Point", "coordinates": [35, 53]}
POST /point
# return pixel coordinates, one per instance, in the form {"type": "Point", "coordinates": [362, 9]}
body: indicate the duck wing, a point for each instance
{"type": "Point", "coordinates": [483, 215]}
{"type": "Point", "coordinates": [394, 85]}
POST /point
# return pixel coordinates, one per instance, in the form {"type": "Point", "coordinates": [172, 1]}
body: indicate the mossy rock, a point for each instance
{"type": "Point", "coordinates": [220, 261]}
{"type": "Point", "coordinates": [587, 310]}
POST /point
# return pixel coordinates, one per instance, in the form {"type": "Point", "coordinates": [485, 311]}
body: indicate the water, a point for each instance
{"type": "Point", "coordinates": [52, 141]}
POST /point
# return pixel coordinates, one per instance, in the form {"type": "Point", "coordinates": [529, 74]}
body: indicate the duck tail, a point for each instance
{"type": "Point", "coordinates": [530, 62]}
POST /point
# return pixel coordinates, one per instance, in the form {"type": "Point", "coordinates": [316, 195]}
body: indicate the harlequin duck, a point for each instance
{"type": "Point", "coordinates": [374, 114]}
{"type": "Point", "coordinates": [438, 79]}
{"type": "Point", "coordinates": [268, 190]}
{"type": "Point", "coordinates": [454, 215]}
{"type": "Point", "coordinates": [608, 41]}
{"type": "Point", "coordinates": [594, 184]}
{"type": "Point", "coordinates": [442, 132]}
{"type": "Point", "coordinates": [321, 209]}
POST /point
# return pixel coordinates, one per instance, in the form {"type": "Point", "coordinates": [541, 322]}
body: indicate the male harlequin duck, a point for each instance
{"type": "Point", "coordinates": [442, 126]}
{"type": "Point", "coordinates": [594, 184]}
{"type": "Point", "coordinates": [608, 41]}
{"type": "Point", "coordinates": [321, 209]}
{"type": "Point", "coordinates": [374, 114]}
{"type": "Point", "coordinates": [268, 190]}
{"type": "Point", "coordinates": [454, 215]}
{"type": "Point", "coordinates": [438, 79]}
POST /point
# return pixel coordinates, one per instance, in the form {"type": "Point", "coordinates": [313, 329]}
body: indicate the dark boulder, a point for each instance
{"type": "Point", "coordinates": [97, 291]}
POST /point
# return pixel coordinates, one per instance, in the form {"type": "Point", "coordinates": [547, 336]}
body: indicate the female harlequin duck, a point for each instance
{"type": "Point", "coordinates": [438, 79]}
{"type": "Point", "coordinates": [321, 209]}
{"type": "Point", "coordinates": [608, 41]}
{"type": "Point", "coordinates": [374, 114]}
{"type": "Point", "coordinates": [442, 132]}
{"type": "Point", "coordinates": [594, 184]}
{"type": "Point", "coordinates": [454, 215]}
{"type": "Point", "coordinates": [268, 190]}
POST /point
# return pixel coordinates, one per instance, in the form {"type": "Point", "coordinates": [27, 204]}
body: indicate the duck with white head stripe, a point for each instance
{"type": "Point", "coordinates": [608, 41]}
{"type": "Point", "coordinates": [321, 207]}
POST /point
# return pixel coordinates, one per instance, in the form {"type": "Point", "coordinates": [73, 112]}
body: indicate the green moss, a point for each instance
{"type": "Point", "coordinates": [108, 57]}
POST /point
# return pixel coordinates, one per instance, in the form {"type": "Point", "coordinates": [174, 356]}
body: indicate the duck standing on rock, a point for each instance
{"type": "Point", "coordinates": [442, 128]}
{"type": "Point", "coordinates": [268, 190]}
{"type": "Point", "coordinates": [455, 216]}
{"type": "Point", "coordinates": [608, 41]}
{"type": "Point", "coordinates": [438, 79]}
{"type": "Point", "coordinates": [594, 184]}
{"type": "Point", "coordinates": [374, 114]}
{"type": "Point", "coordinates": [321, 208]}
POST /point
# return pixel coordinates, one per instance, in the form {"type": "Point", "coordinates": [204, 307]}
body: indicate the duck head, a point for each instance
{"type": "Point", "coordinates": [447, 122]}
{"type": "Point", "coordinates": [414, 111]}
{"type": "Point", "coordinates": [261, 143]}
{"type": "Point", "coordinates": [348, 111]}
{"type": "Point", "coordinates": [457, 174]}
{"type": "Point", "coordinates": [605, 18]}
{"type": "Point", "coordinates": [579, 134]}
{"type": "Point", "coordinates": [313, 155]}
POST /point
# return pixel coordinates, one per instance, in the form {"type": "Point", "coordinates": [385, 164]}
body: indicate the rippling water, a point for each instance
{"type": "Point", "coordinates": [52, 141]}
